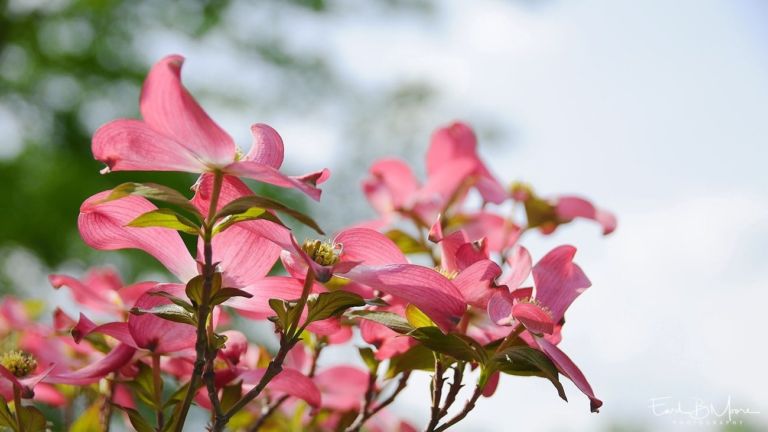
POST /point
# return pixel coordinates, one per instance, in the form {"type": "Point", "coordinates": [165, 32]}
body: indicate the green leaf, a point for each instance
{"type": "Point", "coordinates": [142, 385]}
{"type": "Point", "coordinates": [218, 342]}
{"type": "Point", "coordinates": [281, 309]}
{"type": "Point", "coordinates": [89, 420]}
{"type": "Point", "coordinates": [243, 204]}
{"type": "Point", "coordinates": [225, 294]}
{"type": "Point", "coordinates": [540, 213]}
{"type": "Point", "coordinates": [405, 242]}
{"type": "Point", "coordinates": [176, 300]}
{"type": "Point", "coordinates": [195, 287]}
{"type": "Point", "coordinates": [369, 359]}
{"type": "Point", "coordinates": [525, 361]}
{"type": "Point", "coordinates": [155, 192]}
{"type": "Point", "coordinates": [252, 213]}
{"type": "Point", "coordinates": [390, 320]}
{"type": "Point", "coordinates": [230, 395]}
{"type": "Point", "coordinates": [333, 303]}
{"type": "Point", "coordinates": [170, 312]}
{"type": "Point", "coordinates": [450, 344]}
{"type": "Point", "coordinates": [32, 418]}
{"type": "Point", "coordinates": [137, 421]}
{"type": "Point", "coordinates": [418, 357]}
{"type": "Point", "coordinates": [165, 218]}
{"type": "Point", "coordinates": [417, 318]}
{"type": "Point", "coordinates": [6, 417]}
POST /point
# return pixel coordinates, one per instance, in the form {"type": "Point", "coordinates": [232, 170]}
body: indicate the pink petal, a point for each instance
{"type": "Point", "coordinates": [267, 146]}
{"type": "Point", "coordinates": [235, 347]}
{"type": "Point", "coordinates": [476, 282]}
{"type": "Point", "coordinates": [289, 381]}
{"type": "Point", "coordinates": [257, 307]}
{"type": "Point", "coordinates": [500, 233]}
{"type": "Point", "coordinates": [160, 335]}
{"type": "Point", "coordinates": [568, 368]}
{"type": "Point", "coordinates": [118, 330]}
{"type": "Point", "coordinates": [391, 185]}
{"type": "Point", "coordinates": [268, 174]}
{"type": "Point", "coordinates": [131, 293]}
{"type": "Point", "coordinates": [342, 387]}
{"type": "Point", "coordinates": [559, 280]}
{"type": "Point", "coordinates": [458, 141]}
{"type": "Point", "coordinates": [117, 358]}
{"type": "Point", "coordinates": [231, 189]}
{"type": "Point", "coordinates": [169, 109]}
{"type": "Point", "coordinates": [91, 295]}
{"type": "Point", "coordinates": [472, 252]}
{"type": "Point", "coordinates": [444, 184]}
{"type": "Point", "coordinates": [519, 262]}
{"type": "Point", "coordinates": [533, 317]}
{"type": "Point", "coordinates": [132, 145]}
{"type": "Point", "coordinates": [500, 308]}
{"type": "Point", "coordinates": [427, 289]}
{"type": "Point", "coordinates": [369, 247]}
{"type": "Point", "coordinates": [449, 247]}
{"type": "Point", "coordinates": [102, 226]}
{"type": "Point", "coordinates": [491, 385]}
{"type": "Point", "coordinates": [570, 207]}
{"type": "Point", "coordinates": [243, 255]}
{"type": "Point", "coordinates": [436, 231]}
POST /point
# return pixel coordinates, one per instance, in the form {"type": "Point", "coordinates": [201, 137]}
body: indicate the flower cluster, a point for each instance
{"type": "Point", "coordinates": [439, 282]}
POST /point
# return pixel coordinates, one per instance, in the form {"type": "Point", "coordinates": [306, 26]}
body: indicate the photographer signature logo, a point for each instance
{"type": "Point", "coordinates": [698, 411]}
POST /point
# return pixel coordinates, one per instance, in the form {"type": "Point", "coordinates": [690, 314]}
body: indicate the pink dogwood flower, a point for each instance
{"type": "Point", "coordinates": [453, 166]}
{"type": "Point", "coordinates": [177, 135]}
{"type": "Point", "coordinates": [558, 281]}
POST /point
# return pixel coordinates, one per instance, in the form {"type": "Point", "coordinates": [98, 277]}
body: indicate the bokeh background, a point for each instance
{"type": "Point", "coordinates": [657, 110]}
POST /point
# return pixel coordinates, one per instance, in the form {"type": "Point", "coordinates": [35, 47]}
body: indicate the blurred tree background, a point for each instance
{"type": "Point", "coordinates": [66, 67]}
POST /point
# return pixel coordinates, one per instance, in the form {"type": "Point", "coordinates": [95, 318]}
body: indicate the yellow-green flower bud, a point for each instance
{"type": "Point", "coordinates": [19, 363]}
{"type": "Point", "coordinates": [322, 252]}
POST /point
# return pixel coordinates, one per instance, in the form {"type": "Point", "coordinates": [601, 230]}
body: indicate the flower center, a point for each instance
{"type": "Point", "coordinates": [324, 253]}
{"type": "Point", "coordinates": [449, 274]}
{"type": "Point", "coordinates": [19, 363]}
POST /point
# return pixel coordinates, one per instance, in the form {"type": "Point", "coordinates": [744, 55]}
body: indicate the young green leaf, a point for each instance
{"type": "Point", "coordinates": [406, 242]}
{"type": "Point", "coordinates": [154, 192]}
{"type": "Point", "coordinates": [390, 320]}
{"type": "Point", "coordinates": [252, 213]}
{"type": "Point", "coordinates": [525, 361]}
{"type": "Point", "coordinates": [243, 204]}
{"type": "Point", "coordinates": [329, 304]}
{"type": "Point", "coordinates": [417, 318]}
{"type": "Point", "coordinates": [176, 300]}
{"type": "Point", "coordinates": [195, 287]}
{"type": "Point", "coordinates": [137, 421]}
{"type": "Point", "coordinates": [448, 344]}
{"type": "Point", "coordinates": [165, 218]}
{"type": "Point", "coordinates": [281, 310]}
{"type": "Point", "coordinates": [32, 418]}
{"type": "Point", "coordinates": [418, 357]}
{"type": "Point", "coordinates": [369, 358]}
{"type": "Point", "coordinates": [170, 312]}
{"type": "Point", "coordinates": [225, 294]}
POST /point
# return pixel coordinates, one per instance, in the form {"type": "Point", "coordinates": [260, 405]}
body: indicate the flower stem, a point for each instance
{"type": "Point", "coordinates": [17, 407]}
{"type": "Point", "coordinates": [157, 384]}
{"type": "Point", "coordinates": [202, 350]}
{"type": "Point", "coordinates": [287, 341]}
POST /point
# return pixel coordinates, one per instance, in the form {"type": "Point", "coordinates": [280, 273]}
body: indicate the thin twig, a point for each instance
{"type": "Point", "coordinates": [271, 408]}
{"type": "Point", "coordinates": [437, 394]}
{"type": "Point", "coordinates": [469, 406]}
{"type": "Point", "coordinates": [453, 391]}
{"type": "Point", "coordinates": [157, 384]}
